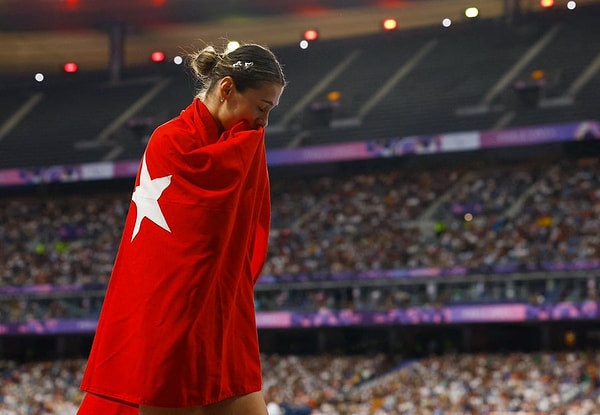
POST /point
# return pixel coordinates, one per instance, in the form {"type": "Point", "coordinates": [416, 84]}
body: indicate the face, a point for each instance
{"type": "Point", "coordinates": [252, 105]}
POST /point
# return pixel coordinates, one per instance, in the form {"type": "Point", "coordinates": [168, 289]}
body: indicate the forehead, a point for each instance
{"type": "Point", "coordinates": [268, 92]}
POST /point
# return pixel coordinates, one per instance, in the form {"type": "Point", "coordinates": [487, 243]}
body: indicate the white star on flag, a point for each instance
{"type": "Point", "coordinates": [146, 197]}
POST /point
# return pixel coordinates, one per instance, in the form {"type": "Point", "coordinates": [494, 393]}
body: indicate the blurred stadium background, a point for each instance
{"type": "Point", "coordinates": [436, 195]}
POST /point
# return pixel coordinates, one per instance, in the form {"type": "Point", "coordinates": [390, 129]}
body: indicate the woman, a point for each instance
{"type": "Point", "coordinates": [177, 333]}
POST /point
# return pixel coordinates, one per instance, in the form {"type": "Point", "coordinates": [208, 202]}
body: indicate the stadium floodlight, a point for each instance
{"type": "Point", "coordinates": [72, 4]}
{"type": "Point", "coordinates": [232, 45]}
{"type": "Point", "coordinates": [157, 56]}
{"type": "Point", "coordinates": [389, 24]}
{"type": "Point", "coordinates": [311, 35]}
{"type": "Point", "coordinates": [70, 67]}
{"type": "Point", "coordinates": [471, 12]}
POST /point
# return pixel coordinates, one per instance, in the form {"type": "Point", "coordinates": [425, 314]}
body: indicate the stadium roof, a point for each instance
{"type": "Point", "coordinates": [42, 34]}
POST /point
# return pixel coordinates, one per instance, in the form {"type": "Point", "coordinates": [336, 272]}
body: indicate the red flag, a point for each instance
{"type": "Point", "coordinates": [178, 325]}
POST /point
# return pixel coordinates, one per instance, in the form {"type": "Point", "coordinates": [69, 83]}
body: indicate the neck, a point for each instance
{"type": "Point", "coordinates": [214, 106]}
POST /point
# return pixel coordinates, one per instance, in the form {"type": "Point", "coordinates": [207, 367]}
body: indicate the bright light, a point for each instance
{"type": "Point", "coordinates": [158, 56]}
{"type": "Point", "coordinates": [537, 74]}
{"type": "Point", "coordinates": [333, 96]}
{"type": "Point", "coordinates": [468, 217]}
{"type": "Point", "coordinates": [232, 45]}
{"type": "Point", "coordinates": [303, 44]}
{"type": "Point", "coordinates": [571, 5]}
{"type": "Point", "coordinates": [177, 60]}
{"type": "Point", "coordinates": [546, 3]}
{"type": "Point", "coordinates": [70, 67]}
{"type": "Point", "coordinates": [311, 35]}
{"type": "Point", "coordinates": [472, 12]}
{"type": "Point", "coordinates": [39, 77]}
{"type": "Point", "coordinates": [446, 22]}
{"type": "Point", "coordinates": [390, 24]}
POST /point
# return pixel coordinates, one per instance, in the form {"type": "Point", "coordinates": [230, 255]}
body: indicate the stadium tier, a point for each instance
{"type": "Point", "coordinates": [471, 76]}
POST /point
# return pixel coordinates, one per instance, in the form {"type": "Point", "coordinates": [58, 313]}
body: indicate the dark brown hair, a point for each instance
{"type": "Point", "coordinates": [249, 65]}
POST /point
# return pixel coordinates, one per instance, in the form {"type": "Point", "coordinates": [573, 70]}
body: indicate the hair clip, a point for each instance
{"type": "Point", "coordinates": [239, 65]}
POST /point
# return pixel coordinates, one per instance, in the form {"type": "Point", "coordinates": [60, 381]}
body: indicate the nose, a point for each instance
{"type": "Point", "coordinates": [262, 122]}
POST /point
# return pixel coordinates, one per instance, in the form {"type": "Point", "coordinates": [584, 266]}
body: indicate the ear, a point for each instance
{"type": "Point", "coordinates": [226, 85]}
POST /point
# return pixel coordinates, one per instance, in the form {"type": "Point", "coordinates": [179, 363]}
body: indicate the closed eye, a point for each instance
{"type": "Point", "coordinates": [270, 104]}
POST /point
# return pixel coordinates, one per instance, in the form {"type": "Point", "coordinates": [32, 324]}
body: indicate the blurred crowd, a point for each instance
{"type": "Point", "coordinates": [541, 383]}
{"type": "Point", "coordinates": [479, 219]}
{"type": "Point", "coordinates": [566, 383]}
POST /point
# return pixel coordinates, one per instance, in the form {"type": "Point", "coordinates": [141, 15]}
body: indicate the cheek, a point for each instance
{"type": "Point", "coordinates": [250, 114]}
{"type": "Point", "coordinates": [253, 111]}
{"type": "Point", "coordinates": [238, 114]}
{"type": "Point", "coordinates": [241, 110]}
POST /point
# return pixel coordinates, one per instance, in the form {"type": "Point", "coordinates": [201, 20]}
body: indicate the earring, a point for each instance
{"type": "Point", "coordinates": [221, 100]}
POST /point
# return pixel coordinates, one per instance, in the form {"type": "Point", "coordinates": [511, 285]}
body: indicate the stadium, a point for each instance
{"type": "Point", "coordinates": [435, 188]}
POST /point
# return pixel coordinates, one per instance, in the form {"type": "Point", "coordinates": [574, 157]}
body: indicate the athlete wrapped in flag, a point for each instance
{"type": "Point", "coordinates": [177, 332]}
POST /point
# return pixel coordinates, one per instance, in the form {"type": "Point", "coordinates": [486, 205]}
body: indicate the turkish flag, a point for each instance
{"type": "Point", "coordinates": [178, 326]}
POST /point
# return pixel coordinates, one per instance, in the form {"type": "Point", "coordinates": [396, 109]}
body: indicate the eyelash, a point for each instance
{"type": "Point", "coordinates": [262, 109]}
